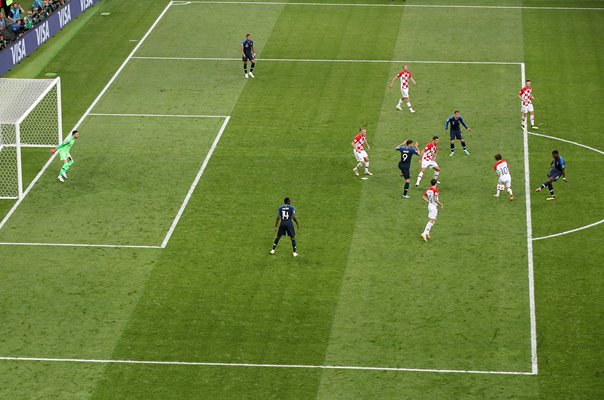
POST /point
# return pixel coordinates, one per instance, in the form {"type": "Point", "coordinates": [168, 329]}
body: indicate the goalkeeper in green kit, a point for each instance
{"type": "Point", "coordinates": [64, 154]}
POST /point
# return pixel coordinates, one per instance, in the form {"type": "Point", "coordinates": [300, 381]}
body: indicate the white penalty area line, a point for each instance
{"type": "Point", "coordinates": [529, 241]}
{"type": "Point", "coordinates": [270, 3]}
{"type": "Point", "coordinates": [249, 365]}
{"type": "Point", "coordinates": [127, 246]}
{"type": "Point", "coordinates": [309, 60]}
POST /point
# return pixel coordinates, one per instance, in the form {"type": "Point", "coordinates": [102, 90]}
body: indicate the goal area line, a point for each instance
{"type": "Point", "coordinates": [183, 206]}
{"type": "Point", "coordinates": [252, 365]}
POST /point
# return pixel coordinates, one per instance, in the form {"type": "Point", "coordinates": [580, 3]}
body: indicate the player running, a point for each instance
{"type": "Point", "coordinates": [358, 144]}
{"type": "Point", "coordinates": [431, 197]}
{"type": "Point", "coordinates": [64, 154]}
{"type": "Point", "coordinates": [284, 225]}
{"type": "Point", "coordinates": [405, 76]}
{"type": "Point", "coordinates": [248, 53]}
{"type": "Point", "coordinates": [405, 163]}
{"type": "Point", "coordinates": [505, 179]}
{"type": "Point", "coordinates": [428, 160]}
{"type": "Point", "coordinates": [526, 97]}
{"type": "Point", "coordinates": [455, 120]}
{"type": "Point", "coordinates": [557, 171]}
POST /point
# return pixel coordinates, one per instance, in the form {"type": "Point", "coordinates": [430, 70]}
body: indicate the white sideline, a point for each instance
{"type": "Point", "coordinates": [195, 182]}
{"type": "Point", "coordinates": [395, 5]}
{"type": "Point", "coordinates": [309, 60]}
{"type": "Point", "coordinates": [529, 241]}
{"type": "Point", "coordinates": [218, 364]}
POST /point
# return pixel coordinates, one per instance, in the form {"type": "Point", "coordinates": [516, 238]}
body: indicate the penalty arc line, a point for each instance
{"type": "Point", "coordinates": [571, 231]}
{"type": "Point", "coordinates": [250, 365]}
{"type": "Point", "coordinates": [86, 113]}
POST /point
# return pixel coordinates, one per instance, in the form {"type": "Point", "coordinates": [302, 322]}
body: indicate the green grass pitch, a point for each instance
{"type": "Point", "coordinates": [400, 318]}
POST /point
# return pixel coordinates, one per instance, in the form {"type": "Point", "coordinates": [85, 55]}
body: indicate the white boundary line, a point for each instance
{"type": "Point", "coordinates": [394, 5]}
{"type": "Point", "coordinates": [195, 182]}
{"type": "Point", "coordinates": [217, 364]}
{"type": "Point", "coordinates": [96, 100]}
{"type": "Point", "coordinates": [309, 60]}
{"type": "Point", "coordinates": [529, 241]}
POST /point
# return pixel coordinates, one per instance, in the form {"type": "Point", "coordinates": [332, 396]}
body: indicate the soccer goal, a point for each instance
{"type": "Point", "coordinates": [30, 116]}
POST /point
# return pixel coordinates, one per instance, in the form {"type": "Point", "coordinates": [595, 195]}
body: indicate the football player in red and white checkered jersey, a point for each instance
{"type": "Point", "coordinates": [405, 76]}
{"type": "Point", "coordinates": [428, 160]}
{"type": "Point", "coordinates": [431, 197]}
{"type": "Point", "coordinates": [526, 97]}
{"type": "Point", "coordinates": [358, 144]}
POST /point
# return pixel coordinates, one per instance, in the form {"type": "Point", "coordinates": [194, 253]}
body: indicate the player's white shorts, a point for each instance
{"type": "Point", "coordinates": [360, 155]}
{"type": "Point", "coordinates": [505, 180]}
{"type": "Point", "coordinates": [405, 92]}
{"type": "Point", "coordinates": [429, 164]}
{"type": "Point", "coordinates": [526, 109]}
{"type": "Point", "coordinates": [432, 211]}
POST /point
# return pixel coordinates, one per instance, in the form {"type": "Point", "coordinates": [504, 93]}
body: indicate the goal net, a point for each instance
{"type": "Point", "coordinates": [30, 116]}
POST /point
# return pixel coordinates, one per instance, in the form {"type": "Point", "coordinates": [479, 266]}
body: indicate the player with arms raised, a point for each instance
{"type": "Point", "coordinates": [358, 144]}
{"type": "Point", "coordinates": [405, 76]}
{"type": "Point", "coordinates": [526, 97]}
{"type": "Point", "coordinates": [405, 163]}
{"type": "Point", "coordinates": [505, 179]}
{"type": "Point", "coordinates": [284, 225]}
{"type": "Point", "coordinates": [431, 197]}
{"type": "Point", "coordinates": [428, 160]}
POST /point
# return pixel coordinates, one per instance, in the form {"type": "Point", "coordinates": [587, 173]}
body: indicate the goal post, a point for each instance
{"type": "Point", "coordinates": [30, 116]}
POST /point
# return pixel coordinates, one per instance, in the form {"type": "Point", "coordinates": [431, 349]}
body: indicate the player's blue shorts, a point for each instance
{"type": "Point", "coordinates": [554, 173]}
{"type": "Point", "coordinates": [286, 229]}
{"type": "Point", "coordinates": [248, 57]}
{"type": "Point", "coordinates": [404, 171]}
{"type": "Point", "coordinates": [456, 135]}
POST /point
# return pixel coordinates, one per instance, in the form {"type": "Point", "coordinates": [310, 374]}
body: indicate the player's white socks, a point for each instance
{"type": "Point", "coordinates": [532, 120]}
{"type": "Point", "coordinates": [419, 178]}
{"type": "Point", "coordinates": [359, 165]}
{"type": "Point", "coordinates": [428, 227]}
{"type": "Point", "coordinates": [436, 173]}
{"type": "Point", "coordinates": [509, 191]}
{"type": "Point", "coordinates": [400, 102]}
{"type": "Point", "coordinates": [367, 167]}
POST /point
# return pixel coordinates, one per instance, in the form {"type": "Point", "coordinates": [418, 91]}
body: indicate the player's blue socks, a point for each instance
{"type": "Point", "coordinates": [463, 144]}
{"type": "Point", "coordinates": [276, 242]}
{"type": "Point", "coordinates": [453, 147]}
{"type": "Point", "coordinates": [294, 245]}
{"type": "Point", "coordinates": [252, 66]}
{"type": "Point", "coordinates": [551, 188]}
{"type": "Point", "coordinates": [406, 190]}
